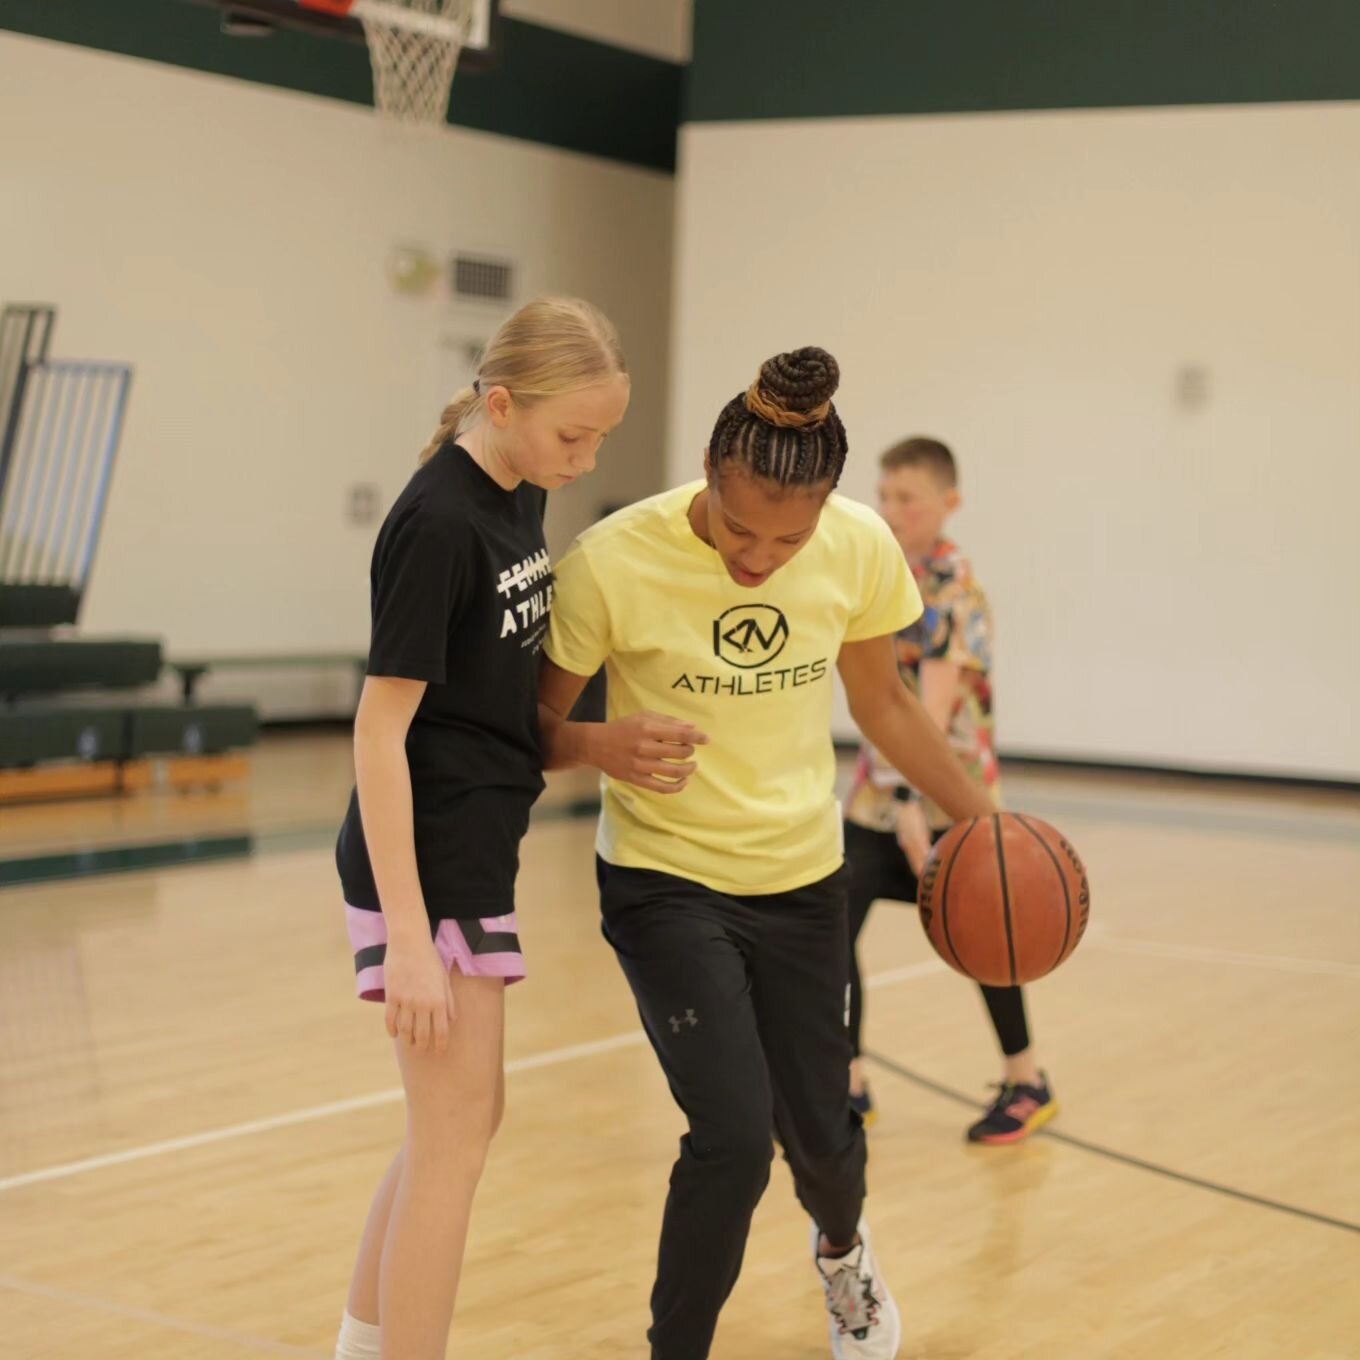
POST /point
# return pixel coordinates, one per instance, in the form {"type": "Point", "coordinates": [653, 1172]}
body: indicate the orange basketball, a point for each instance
{"type": "Point", "coordinates": [1004, 899]}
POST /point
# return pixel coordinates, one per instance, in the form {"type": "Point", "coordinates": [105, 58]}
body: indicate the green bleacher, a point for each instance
{"type": "Point", "coordinates": [67, 699]}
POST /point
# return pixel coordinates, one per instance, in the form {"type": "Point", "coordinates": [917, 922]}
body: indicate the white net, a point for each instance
{"type": "Point", "coordinates": [414, 47]}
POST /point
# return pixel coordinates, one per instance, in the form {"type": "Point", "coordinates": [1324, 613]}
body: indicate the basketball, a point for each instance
{"type": "Point", "coordinates": [1004, 899]}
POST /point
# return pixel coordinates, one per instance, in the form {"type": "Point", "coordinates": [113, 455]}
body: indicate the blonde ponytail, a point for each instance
{"type": "Point", "coordinates": [551, 346]}
{"type": "Point", "coordinates": [454, 416]}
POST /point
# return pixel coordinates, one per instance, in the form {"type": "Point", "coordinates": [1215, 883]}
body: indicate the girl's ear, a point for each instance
{"type": "Point", "coordinates": [499, 405]}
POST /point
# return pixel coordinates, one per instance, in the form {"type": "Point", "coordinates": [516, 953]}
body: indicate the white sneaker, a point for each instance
{"type": "Point", "coordinates": [865, 1323]}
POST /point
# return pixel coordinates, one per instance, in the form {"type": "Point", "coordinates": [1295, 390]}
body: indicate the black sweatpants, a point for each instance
{"type": "Point", "coordinates": [743, 999]}
{"type": "Point", "coordinates": [879, 868]}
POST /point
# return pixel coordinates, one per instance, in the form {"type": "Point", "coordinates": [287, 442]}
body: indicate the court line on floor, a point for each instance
{"type": "Point", "coordinates": [1309, 825]}
{"type": "Point", "coordinates": [632, 1038]}
{"type": "Point", "coordinates": [198, 849]}
{"type": "Point", "coordinates": [1098, 937]}
{"type": "Point", "coordinates": [1191, 953]}
{"type": "Point", "coordinates": [1187, 812]}
{"type": "Point", "coordinates": [165, 1320]}
{"type": "Point", "coordinates": [1112, 1154]}
{"type": "Point", "coordinates": [551, 1058]}
{"type": "Point", "coordinates": [907, 973]}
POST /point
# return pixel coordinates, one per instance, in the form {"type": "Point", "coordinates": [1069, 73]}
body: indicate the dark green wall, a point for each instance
{"type": "Point", "coordinates": [821, 58]}
{"type": "Point", "coordinates": [546, 86]}
{"type": "Point", "coordinates": [791, 59]}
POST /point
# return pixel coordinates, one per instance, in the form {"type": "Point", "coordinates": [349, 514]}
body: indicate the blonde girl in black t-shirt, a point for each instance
{"type": "Point", "coordinates": [447, 760]}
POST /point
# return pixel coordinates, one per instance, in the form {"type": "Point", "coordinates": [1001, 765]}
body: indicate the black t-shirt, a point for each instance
{"type": "Point", "coordinates": [461, 592]}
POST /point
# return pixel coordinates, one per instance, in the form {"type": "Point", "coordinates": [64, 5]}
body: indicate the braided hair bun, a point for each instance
{"type": "Point", "coordinates": [784, 428]}
{"type": "Point", "coordinates": [794, 391]}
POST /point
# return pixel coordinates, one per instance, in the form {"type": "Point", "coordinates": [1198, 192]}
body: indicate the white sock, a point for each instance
{"type": "Point", "coordinates": [358, 1340]}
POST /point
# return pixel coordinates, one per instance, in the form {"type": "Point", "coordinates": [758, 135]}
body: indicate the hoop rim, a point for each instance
{"type": "Point", "coordinates": [481, 49]}
{"type": "Point", "coordinates": [398, 16]}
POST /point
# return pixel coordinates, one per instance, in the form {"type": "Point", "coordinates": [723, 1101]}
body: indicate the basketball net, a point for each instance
{"type": "Point", "coordinates": [414, 47]}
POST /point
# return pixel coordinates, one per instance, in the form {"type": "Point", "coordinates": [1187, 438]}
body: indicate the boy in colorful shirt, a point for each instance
{"type": "Point", "coordinates": [945, 658]}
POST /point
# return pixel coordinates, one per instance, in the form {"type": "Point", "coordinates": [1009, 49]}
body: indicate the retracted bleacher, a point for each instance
{"type": "Point", "coordinates": [75, 716]}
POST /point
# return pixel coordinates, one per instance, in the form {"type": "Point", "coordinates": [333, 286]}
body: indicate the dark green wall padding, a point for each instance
{"type": "Point", "coordinates": [757, 59]}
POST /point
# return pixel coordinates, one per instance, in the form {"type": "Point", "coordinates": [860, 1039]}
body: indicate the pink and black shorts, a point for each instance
{"type": "Point", "coordinates": [483, 948]}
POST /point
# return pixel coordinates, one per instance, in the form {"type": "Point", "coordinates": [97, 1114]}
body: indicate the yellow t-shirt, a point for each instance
{"type": "Point", "coordinates": [641, 594]}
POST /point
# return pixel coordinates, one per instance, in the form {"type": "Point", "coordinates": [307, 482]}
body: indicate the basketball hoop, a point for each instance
{"type": "Point", "coordinates": [414, 47]}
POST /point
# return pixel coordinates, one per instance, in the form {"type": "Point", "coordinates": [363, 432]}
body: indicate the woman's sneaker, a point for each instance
{"type": "Point", "coordinates": [1016, 1112]}
{"type": "Point", "coordinates": [865, 1323]}
{"type": "Point", "coordinates": [863, 1105]}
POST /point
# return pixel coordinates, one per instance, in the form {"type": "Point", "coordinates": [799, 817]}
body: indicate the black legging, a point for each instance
{"type": "Point", "coordinates": [879, 868]}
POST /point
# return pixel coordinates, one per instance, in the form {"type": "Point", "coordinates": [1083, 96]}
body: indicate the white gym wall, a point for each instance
{"type": "Point", "coordinates": [1140, 332]}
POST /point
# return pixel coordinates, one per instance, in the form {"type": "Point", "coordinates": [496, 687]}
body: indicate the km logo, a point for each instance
{"type": "Point", "coordinates": [750, 635]}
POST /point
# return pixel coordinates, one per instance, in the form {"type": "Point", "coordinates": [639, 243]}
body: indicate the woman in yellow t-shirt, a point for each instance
{"type": "Point", "coordinates": [718, 611]}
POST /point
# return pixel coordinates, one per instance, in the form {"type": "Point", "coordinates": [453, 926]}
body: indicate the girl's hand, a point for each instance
{"type": "Point", "coordinates": [419, 996]}
{"type": "Point", "coordinates": [647, 750]}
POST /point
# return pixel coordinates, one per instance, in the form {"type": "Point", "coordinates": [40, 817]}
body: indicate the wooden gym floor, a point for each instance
{"type": "Point", "coordinates": [194, 1110]}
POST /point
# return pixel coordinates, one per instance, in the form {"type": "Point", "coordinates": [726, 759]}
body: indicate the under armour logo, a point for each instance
{"type": "Point", "coordinates": [689, 1018]}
